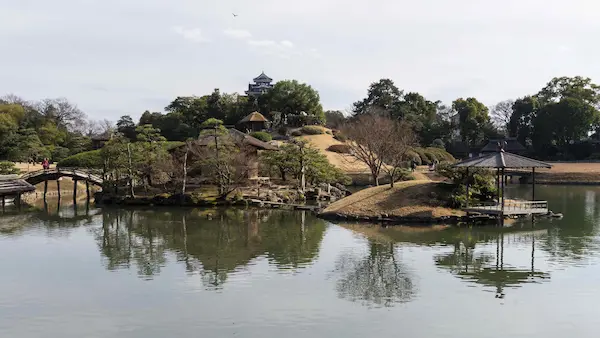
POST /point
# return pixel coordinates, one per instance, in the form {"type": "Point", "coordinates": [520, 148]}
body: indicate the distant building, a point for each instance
{"type": "Point", "coordinates": [98, 141]}
{"type": "Point", "coordinates": [511, 146]}
{"type": "Point", "coordinates": [262, 84]}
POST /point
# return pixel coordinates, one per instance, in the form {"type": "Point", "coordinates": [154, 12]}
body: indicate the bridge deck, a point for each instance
{"type": "Point", "coordinates": [512, 208]}
{"type": "Point", "coordinates": [39, 176]}
{"type": "Point", "coordinates": [11, 185]}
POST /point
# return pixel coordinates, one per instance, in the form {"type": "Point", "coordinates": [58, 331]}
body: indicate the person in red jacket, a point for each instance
{"type": "Point", "coordinates": [45, 164]}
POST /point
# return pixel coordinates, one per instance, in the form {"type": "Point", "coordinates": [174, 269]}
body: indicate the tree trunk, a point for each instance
{"type": "Point", "coordinates": [282, 172]}
{"type": "Point", "coordinates": [375, 177]}
{"type": "Point", "coordinates": [185, 157]}
{"type": "Point", "coordinates": [131, 192]}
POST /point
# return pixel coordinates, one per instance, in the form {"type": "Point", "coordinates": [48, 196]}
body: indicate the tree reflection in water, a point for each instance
{"type": "Point", "coordinates": [379, 279]}
{"type": "Point", "coordinates": [212, 243]}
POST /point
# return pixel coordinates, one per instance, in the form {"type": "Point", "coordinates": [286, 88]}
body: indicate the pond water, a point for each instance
{"type": "Point", "coordinates": [248, 273]}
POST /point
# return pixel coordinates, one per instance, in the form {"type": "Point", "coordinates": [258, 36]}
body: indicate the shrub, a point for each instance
{"type": "Point", "coordinates": [481, 184]}
{"type": "Point", "coordinates": [440, 154]}
{"type": "Point", "coordinates": [312, 130]}
{"type": "Point", "coordinates": [262, 135]}
{"type": "Point", "coordinates": [88, 159]}
{"type": "Point", "coordinates": [414, 156]}
{"type": "Point", "coordinates": [438, 143]}
{"type": "Point", "coordinates": [594, 157]}
{"type": "Point", "coordinates": [282, 131]}
{"type": "Point", "coordinates": [8, 168]}
{"type": "Point", "coordinates": [328, 132]}
{"type": "Point", "coordinates": [340, 148]}
{"type": "Point", "coordinates": [296, 133]}
{"type": "Point", "coordinates": [339, 136]}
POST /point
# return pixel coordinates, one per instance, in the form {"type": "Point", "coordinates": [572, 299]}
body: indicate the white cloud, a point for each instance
{"type": "Point", "coordinates": [287, 43]}
{"type": "Point", "coordinates": [262, 43]}
{"type": "Point", "coordinates": [192, 34]}
{"type": "Point", "coordinates": [238, 33]}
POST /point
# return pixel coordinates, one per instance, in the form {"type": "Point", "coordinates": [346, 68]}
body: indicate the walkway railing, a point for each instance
{"type": "Point", "coordinates": [511, 205]}
{"type": "Point", "coordinates": [93, 175]}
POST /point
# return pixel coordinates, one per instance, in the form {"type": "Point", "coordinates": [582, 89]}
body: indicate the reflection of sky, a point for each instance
{"type": "Point", "coordinates": [57, 287]}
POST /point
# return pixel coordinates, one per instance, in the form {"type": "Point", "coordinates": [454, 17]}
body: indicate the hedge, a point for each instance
{"type": "Point", "coordinates": [88, 159]}
{"type": "Point", "coordinates": [312, 130]}
{"type": "Point", "coordinates": [429, 155]}
{"type": "Point", "coordinates": [262, 135]}
{"type": "Point", "coordinates": [340, 148]}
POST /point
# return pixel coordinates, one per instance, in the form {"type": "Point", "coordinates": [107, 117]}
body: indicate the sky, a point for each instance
{"type": "Point", "coordinates": [117, 57]}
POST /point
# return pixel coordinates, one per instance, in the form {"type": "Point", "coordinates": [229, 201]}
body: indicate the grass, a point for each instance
{"type": "Point", "coordinates": [421, 198]}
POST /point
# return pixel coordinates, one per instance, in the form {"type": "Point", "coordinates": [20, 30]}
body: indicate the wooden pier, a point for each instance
{"type": "Point", "coordinates": [511, 208]}
{"type": "Point", "coordinates": [13, 186]}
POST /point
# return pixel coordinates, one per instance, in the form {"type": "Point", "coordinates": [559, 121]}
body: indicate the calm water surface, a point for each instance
{"type": "Point", "coordinates": [195, 273]}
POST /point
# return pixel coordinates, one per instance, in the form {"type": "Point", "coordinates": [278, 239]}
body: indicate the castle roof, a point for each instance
{"type": "Point", "coordinates": [262, 77]}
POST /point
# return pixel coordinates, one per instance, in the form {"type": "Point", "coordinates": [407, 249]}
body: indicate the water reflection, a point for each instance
{"type": "Point", "coordinates": [491, 270]}
{"type": "Point", "coordinates": [212, 243]}
{"type": "Point", "coordinates": [379, 279]}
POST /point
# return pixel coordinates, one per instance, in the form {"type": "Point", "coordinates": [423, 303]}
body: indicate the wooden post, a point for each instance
{"type": "Point", "coordinates": [18, 201]}
{"type": "Point", "coordinates": [533, 189]}
{"type": "Point", "coordinates": [87, 189]}
{"type": "Point", "coordinates": [45, 188]}
{"type": "Point", "coordinates": [467, 187]}
{"type": "Point", "coordinates": [498, 184]}
{"type": "Point", "coordinates": [503, 197]}
{"type": "Point", "coordinates": [58, 188]}
{"type": "Point", "coordinates": [3, 202]}
{"type": "Point", "coordinates": [75, 190]}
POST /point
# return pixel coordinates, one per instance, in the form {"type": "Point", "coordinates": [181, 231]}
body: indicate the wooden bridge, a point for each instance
{"type": "Point", "coordinates": [36, 177]}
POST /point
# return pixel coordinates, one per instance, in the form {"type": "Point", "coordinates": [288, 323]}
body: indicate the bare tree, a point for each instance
{"type": "Point", "coordinates": [501, 114]}
{"type": "Point", "coordinates": [63, 112]}
{"type": "Point", "coordinates": [365, 141]}
{"type": "Point", "coordinates": [399, 139]}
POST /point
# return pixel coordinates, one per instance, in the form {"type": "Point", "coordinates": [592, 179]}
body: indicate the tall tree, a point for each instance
{"type": "Point", "coordinates": [473, 116]}
{"type": "Point", "coordinates": [520, 124]}
{"type": "Point", "coordinates": [126, 126]}
{"type": "Point", "coordinates": [501, 114]}
{"type": "Point", "coordinates": [382, 97]}
{"type": "Point", "coordinates": [291, 97]}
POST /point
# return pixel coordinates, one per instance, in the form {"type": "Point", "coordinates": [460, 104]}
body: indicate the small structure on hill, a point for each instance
{"type": "Point", "coordinates": [98, 141]}
{"type": "Point", "coordinates": [254, 122]}
{"type": "Point", "coordinates": [502, 160]}
{"type": "Point", "coordinates": [250, 146]}
{"type": "Point", "coordinates": [262, 85]}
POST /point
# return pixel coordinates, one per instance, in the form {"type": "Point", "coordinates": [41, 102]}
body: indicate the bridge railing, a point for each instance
{"type": "Point", "coordinates": [512, 205]}
{"type": "Point", "coordinates": [96, 174]}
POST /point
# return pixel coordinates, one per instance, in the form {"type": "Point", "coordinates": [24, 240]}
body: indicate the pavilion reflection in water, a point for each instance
{"type": "Point", "coordinates": [491, 270]}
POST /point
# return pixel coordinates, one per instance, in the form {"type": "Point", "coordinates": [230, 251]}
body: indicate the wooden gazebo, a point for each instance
{"type": "Point", "coordinates": [502, 160]}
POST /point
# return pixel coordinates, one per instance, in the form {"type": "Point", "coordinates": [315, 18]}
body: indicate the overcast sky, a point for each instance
{"type": "Point", "coordinates": [115, 57]}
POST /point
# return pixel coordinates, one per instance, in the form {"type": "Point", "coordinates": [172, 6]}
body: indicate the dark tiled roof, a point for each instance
{"type": "Point", "coordinates": [11, 184]}
{"type": "Point", "coordinates": [254, 117]}
{"type": "Point", "coordinates": [262, 76]}
{"type": "Point", "coordinates": [502, 160]}
{"type": "Point", "coordinates": [239, 138]}
{"type": "Point", "coordinates": [512, 145]}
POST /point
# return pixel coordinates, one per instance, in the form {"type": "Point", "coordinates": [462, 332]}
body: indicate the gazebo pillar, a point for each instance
{"type": "Point", "coordinates": [468, 187]}
{"type": "Point", "coordinates": [503, 197]}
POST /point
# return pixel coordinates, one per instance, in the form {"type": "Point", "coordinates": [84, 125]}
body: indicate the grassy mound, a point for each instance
{"type": "Point", "coordinates": [406, 199]}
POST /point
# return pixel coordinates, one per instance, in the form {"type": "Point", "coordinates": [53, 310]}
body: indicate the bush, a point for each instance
{"type": "Point", "coordinates": [594, 157]}
{"type": "Point", "coordinates": [439, 154]}
{"type": "Point", "coordinates": [340, 148]}
{"type": "Point", "coordinates": [262, 135]}
{"type": "Point", "coordinates": [8, 168]}
{"type": "Point", "coordinates": [414, 156]}
{"type": "Point", "coordinates": [88, 159]}
{"type": "Point", "coordinates": [481, 184]}
{"type": "Point", "coordinates": [282, 131]}
{"type": "Point", "coordinates": [438, 143]}
{"type": "Point", "coordinates": [296, 133]}
{"type": "Point", "coordinates": [339, 136]}
{"type": "Point", "coordinates": [312, 130]}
